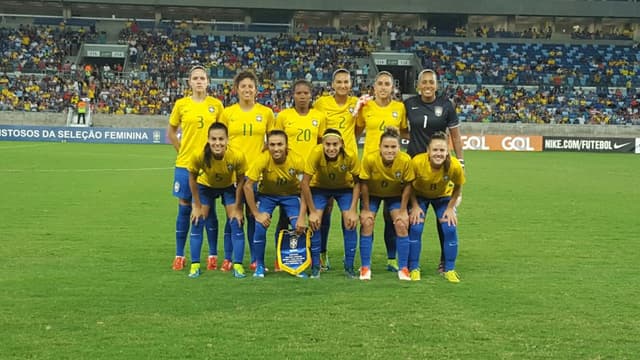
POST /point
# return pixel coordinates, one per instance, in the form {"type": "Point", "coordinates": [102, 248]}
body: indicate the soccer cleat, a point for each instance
{"type": "Point", "coordinates": [365, 273]}
{"type": "Point", "coordinates": [253, 266]}
{"type": "Point", "coordinates": [238, 271]}
{"type": "Point", "coordinates": [227, 265]}
{"type": "Point", "coordinates": [212, 262]}
{"type": "Point", "coordinates": [315, 272]}
{"type": "Point", "coordinates": [441, 268]}
{"type": "Point", "coordinates": [415, 275]}
{"type": "Point", "coordinates": [276, 266]}
{"type": "Point", "coordinates": [451, 276]}
{"type": "Point", "coordinates": [350, 273]}
{"type": "Point", "coordinates": [178, 263]}
{"type": "Point", "coordinates": [259, 273]}
{"type": "Point", "coordinates": [195, 271]}
{"type": "Point", "coordinates": [404, 274]}
{"type": "Point", "coordinates": [392, 265]}
{"type": "Point", "coordinates": [324, 262]}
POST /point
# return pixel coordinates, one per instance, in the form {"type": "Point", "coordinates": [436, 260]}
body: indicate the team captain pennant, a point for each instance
{"type": "Point", "coordinates": [293, 251]}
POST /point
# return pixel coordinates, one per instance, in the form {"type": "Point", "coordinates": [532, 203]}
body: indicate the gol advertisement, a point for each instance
{"type": "Point", "coordinates": [502, 142]}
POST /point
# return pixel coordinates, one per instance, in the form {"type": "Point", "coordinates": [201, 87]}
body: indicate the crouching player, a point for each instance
{"type": "Point", "coordinates": [435, 171]}
{"type": "Point", "coordinates": [212, 173]}
{"type": "Point", "coordinates": [385, 175]}
{"type": "Point", "coordinates": [332, 173]}
{"type": "Point", "coordinates": [279, 172]}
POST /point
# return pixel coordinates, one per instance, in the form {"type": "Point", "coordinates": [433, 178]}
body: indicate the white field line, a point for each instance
{"type": "Point", "coordinates": [82, 170]}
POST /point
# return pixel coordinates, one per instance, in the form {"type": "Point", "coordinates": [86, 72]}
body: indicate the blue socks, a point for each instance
{"type": "Point", "coordinates": [403, 252]}
{"type": "Point", "coordinates": [259, 239]}
{"type": "Point", "coordinates": [237, 239]}
{"type": "Point", "coordinates": [211, 224]}
{"type": "Point", "coordinates": [196, 240]}
{"type": "Point", "coordinates": [228, 244]}
{"type": "Point", "coordinates": [450, 246]}
{"type": "Point", "coordinates": [350, 244]}
{"type": "Point", "coordinates": [182, 228]}
{"type": "Point", "coordinates": [315, 248]}
{"type": "Point", "coordinates": [415, 245]}
{"type": "Point", "coordinates": [365, 249]}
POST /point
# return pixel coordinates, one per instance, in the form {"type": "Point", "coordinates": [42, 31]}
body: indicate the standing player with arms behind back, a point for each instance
{"type": "Point", "coordinates": [248, 123]}
{"type": "Point", "coordinates": [339, 109]}
{"type": "Point", "coordinates": [427, 113]}
{"type": "Point", "coordinates": [193, 115]}
{"type": "Point", "coordinates": [304, 126]}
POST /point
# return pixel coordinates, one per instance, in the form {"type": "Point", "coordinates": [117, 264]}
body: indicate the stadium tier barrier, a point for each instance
{"type": "Point", "coordinates": [23, 126]}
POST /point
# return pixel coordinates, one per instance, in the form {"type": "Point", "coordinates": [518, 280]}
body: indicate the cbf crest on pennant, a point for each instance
{"type": "Point", "coordinates": [293, 251]}
{"type": "Point", "coordinates": [438, 110]}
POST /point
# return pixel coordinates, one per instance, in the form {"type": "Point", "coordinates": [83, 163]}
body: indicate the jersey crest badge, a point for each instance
{"type": "Point", "coordinates": [212, 109]}
{"type": "Point", "coordinates": [314, 122]}
{"type": "Point", "coordinates": [292, 171]}
{"type": "Point", "coordinates": [343, 167]}
{"type": "Point", "coordinates": [438, 110]}
{"type": "Point", "coordinates": [258, 118]}
{"type": "Point", "coordinates": [446, 178]}
{"type": "Point", "coordinates": [398, 174]}
{"type": "Point", "coordinates": [230, 167]}
{"type": "Point", "coordinates": [394, 114]}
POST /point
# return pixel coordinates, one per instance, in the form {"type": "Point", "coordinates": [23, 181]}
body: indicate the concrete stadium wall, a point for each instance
{"type": "Point", "coordinates": [155, 121]}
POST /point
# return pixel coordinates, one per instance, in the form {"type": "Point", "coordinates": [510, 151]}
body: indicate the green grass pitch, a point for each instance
{"type": "Point", "coordinates": [549, 250]}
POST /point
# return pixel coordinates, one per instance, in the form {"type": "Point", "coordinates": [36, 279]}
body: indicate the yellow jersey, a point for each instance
{"type": "Point", "coordinates": [277, 179]}
{"type": "Point", "coordinates": [221, 173]}
{"type": "Point", "coordinates": [302, 131]}
{"type": "Point", "coordinates": [194, 119]}
{"type": "Point", "coordinates": [374, 119]}
{"type": "Point", "coordinates": [340, 118]}
{"type": "Point", "coordinates": [247, 130]}
{"type": "Point", "coordinates": [384, 181]}
{"type": "Point", "coordinates": [336, 174]}
{"type": "Point", "coordinates": [433, 184]}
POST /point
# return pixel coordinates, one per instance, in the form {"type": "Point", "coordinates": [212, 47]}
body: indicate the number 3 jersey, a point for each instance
{"type": "Point", "coordinates": [194, 119]}
{"type": "Point", "coordinates": [433, 184]}
{"type": "Point", "coordinates": [247, 129]}
{"type": "Point", "coordinates": [424, 119]}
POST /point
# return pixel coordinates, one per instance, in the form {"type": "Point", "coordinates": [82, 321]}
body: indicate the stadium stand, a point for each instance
{"type": "Point", "coordinates": [489, 80]}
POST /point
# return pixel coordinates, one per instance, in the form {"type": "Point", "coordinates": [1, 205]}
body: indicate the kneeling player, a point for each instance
{"type": "Point", "coordinates": [211, 175]}
{"type": "Point", "coordinates": [435, 170]}
{"type": "Point", "coordinates": [385, 175]}
{"type": "Point", "coordinates": [332, 173]}
{"type": "Point", "coordinates": [279, 172]}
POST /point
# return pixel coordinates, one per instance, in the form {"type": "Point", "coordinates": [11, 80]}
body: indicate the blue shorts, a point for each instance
{"type": "Point", "coordinates": [290, 203]}
{"type": "Point", "coordinates": [321, 197]}
{"type": "Point", "coordinates": [392, 203]}
{"type": "Point", "coordinates": [208, 195]}
{"type": "Point", "coordinates": [181, 188]}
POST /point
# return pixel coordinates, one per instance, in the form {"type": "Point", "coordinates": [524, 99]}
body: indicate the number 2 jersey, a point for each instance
{"type": "Point", "coordinates": [340, 117]}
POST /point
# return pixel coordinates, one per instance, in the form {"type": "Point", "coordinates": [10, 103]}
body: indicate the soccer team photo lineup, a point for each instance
{"type": "Point", "coordinates": [269, 179]}
{"type": "Point", "coordinates": [304, 159]}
